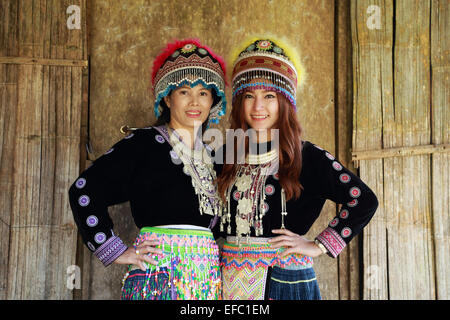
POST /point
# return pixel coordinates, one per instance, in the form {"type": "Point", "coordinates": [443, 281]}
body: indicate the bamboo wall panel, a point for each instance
{"type": "Point", "coordinates": [392, 109]}
{"type": "Point", "coordinates": [45, 163]}
{"type": "Point", "coordinates": [440, 69]}
{"type": "Point", "coordinates": [125, 37]}
{"type": "Point", "coordinates": [372, 90]}
{"type": "Point", "coordinates": [40, 126]}
{"type": "Point", "coordinates": [8, 104]}
{"type": "Point", "coordinates": [411, 224]}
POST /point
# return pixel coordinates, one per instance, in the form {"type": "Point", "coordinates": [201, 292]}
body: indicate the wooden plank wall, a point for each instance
{"type": "Point", "coordinates": [405, 254]}
{"type": "Point", "coordinates": [41, 102]}
{"type": "Point", "coordinates": [367, 71]}
{"type": "Point", "coordinates": [440, 135]}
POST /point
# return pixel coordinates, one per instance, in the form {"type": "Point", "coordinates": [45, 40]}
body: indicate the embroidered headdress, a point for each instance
{"type": "Point", "coordinates": [274, 64]}
{"type": "Point", "coordinates": [188, 62]}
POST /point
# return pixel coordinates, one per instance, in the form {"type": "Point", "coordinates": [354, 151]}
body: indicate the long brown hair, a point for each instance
{"type": "Point", "coordinates": [290, 148]}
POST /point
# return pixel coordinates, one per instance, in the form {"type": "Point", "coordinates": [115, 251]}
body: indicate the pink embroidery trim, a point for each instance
{"type": "Point", "coordinates": [332, 241]}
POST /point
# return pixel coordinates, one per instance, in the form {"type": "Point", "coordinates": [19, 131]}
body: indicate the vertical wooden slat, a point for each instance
{"type": "Point", "coordinates": [8, 28]}
{"type": "Point", "coordinates": [372, 92]}
{"type": "Point", "coordinates": [412, 100]}
{"type": "Point", "coordinates": [440, 69]}
{"type": "Point", "coordinates": [46, 28]}
{"type": "Point", "coordinates": [83, 254]}
{"type": "Point", "coordinates": [8, 109]}
{"type": "Point", "coordinates": [43, 233]}
{"type": "Point", "coordinates": [24, 246]}
{"type": "Point", "coordinates": [349, 258]}
{"type": "Point", "coordinates": [74, 41]}
{"type": "Point", "coordinates": [56, 12]}
{"type": "Point", "coordinates": [66, 136]}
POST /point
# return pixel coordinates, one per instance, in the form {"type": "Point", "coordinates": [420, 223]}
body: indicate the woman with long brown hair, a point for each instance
{"type": "Point", "coordinates": [276, 188]}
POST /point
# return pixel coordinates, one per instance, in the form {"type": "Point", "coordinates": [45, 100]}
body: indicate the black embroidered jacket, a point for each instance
{"type": "Point", "coordinates": [322, 177]}
{"type": "Point", "coordinates": [144, 170]}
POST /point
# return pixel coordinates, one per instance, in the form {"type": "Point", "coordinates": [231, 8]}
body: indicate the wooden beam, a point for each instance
{"type": "Point", "coordinates": [44, 62]}
{"type": "Point", "coordinates": [400, 152]}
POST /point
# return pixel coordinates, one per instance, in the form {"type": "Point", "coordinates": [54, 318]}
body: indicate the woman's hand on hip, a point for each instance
{"type": "Point", "coordinates": [142, 253]}
{"type": "Point", "coordinates": [294, 243]}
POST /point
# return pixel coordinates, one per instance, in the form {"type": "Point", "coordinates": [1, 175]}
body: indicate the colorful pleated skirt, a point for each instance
{"type": "Point", "coordinates": [188, 269]}
{"type": "Point", "coordinates": [252, 270]}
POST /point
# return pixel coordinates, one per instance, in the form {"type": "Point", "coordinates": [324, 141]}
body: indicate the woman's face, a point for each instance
{"type": "Point", "coordinates": [189, 107]}
{"type": "Point", "coordinates": [261, 109]}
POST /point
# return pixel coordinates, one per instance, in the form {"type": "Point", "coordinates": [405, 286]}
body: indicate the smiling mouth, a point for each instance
{"type": "Point", "coordinates": [193, 113]}
{"type": "Point", "coordinates": [259, 117]}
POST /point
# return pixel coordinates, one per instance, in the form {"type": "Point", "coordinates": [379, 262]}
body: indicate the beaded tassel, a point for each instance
{"type": "Point", "coordinates": [189, 270]}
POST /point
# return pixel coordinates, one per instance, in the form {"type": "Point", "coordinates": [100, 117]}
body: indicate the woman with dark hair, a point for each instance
{"type": "Point", "coordinates": [167, 175]}
{"type": "Point", "coordinates": [274, 196]}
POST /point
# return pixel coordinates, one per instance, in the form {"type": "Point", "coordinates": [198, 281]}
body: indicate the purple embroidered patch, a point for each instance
{"type": "Point", "coordinates": [81, 182]}
{"type": "Point", "coordinates": [159, 138]}
{"type": "Point", "coordinates": [92, 221]}
{"type": "Point", "coordinates": [84, 201]}
{"type": "Point", "coordinates": [100, 237]}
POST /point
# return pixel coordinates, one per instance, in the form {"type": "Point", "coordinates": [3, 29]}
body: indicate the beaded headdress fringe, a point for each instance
{"type": "Point", "coordinates": [273, 82]}
{"type": "Point", "coordinates": [176, 44]}
{"type": "Point", "coordinates": [275, 67]}
{"type": "Point", "coordinates": [192, 76]}
{"type": "Point", "coordinates": [188, 62]}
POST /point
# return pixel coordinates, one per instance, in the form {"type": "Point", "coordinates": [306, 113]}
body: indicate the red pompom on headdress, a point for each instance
{"type": "Point", "coordinates": [177, 44]}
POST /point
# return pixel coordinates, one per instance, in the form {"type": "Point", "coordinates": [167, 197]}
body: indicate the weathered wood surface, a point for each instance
{"type": "Point", "coordinates": [392, 109]}
{"type": "Point", "coordinates": [371, 51]}
{"type": "Point", "coordinates": [440, 70]}
{"type": "Point", "coordinates": [400, 88]}
{"type": "Point", "coordinates": [400, 152]}
{"type": "Point", "coordinates": [8, 95]}
{"type": "Point", "coordinates": [40, 126]}
{"type": "Point", "coordinates": [45, 62]}
{"type": "Point", "coordinates": [349, 258]}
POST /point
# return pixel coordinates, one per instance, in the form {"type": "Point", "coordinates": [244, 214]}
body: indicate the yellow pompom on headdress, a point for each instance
{"type": "Point", "coordinates": [272, 61]}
